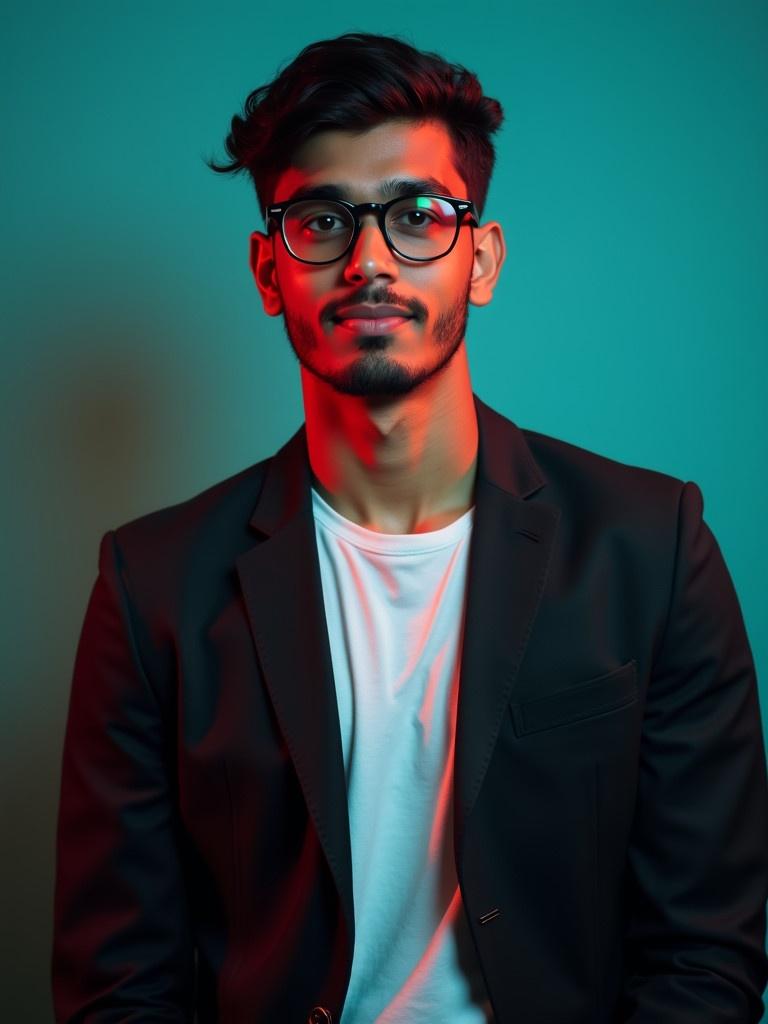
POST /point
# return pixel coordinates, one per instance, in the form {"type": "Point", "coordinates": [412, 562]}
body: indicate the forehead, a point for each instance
{"type": "Point", "coordinates": [360, 161]}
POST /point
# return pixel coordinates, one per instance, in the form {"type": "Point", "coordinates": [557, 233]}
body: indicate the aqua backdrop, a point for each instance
{"type": "Point", "coordinates": [631, 316]}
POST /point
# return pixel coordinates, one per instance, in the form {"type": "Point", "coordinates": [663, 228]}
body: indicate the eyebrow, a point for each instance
{"type": "Point", "coordinates": [389, 189]}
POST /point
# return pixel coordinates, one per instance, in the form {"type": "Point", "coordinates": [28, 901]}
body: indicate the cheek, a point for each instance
{"type": "Point", "coordinates": [302, 291]}
{"type": "Point", "coordinates": [444, 290]}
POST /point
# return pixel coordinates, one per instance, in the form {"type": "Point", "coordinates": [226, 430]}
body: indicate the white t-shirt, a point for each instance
{"type": "Point", "coordinates": [394, 605]}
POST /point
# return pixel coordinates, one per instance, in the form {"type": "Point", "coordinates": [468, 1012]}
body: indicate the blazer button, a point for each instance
{"type": "Point", "coordinates": [320, 1015]}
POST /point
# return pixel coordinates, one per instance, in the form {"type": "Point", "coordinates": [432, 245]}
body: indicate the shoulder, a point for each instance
{"type": "Point", "coordinates": [584, 476]}
{"type": "Point", "coordinates": [191, 541]}
{"type": "Point", "coordinates": [626, 508]}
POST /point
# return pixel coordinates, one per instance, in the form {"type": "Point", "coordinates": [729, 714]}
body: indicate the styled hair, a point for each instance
{"type": "Point", "coordinates": [355, 82]}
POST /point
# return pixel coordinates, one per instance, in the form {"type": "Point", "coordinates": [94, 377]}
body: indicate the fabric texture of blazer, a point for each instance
{"type": "Point", "coordinates": [610, 798]}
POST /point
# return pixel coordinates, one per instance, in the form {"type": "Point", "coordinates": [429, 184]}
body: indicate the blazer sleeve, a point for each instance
{"type": "Point", "coordinates": [698, 852]}
{"type": "Point", "coordinates": [121, 938]}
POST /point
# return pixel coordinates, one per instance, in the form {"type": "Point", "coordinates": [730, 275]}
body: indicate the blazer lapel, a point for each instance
{"type": "Point", "coordinates": [280, 577]}
{"type": "Point", "coordinates": [509, 558]}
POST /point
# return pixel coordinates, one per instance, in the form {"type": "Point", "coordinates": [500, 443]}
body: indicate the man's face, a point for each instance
{"type": "Point", "coordinates": [354, 358]}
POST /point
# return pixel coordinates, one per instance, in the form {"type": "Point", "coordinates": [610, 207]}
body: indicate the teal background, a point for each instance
{"type": "Point", "coordinates": [139, 368]}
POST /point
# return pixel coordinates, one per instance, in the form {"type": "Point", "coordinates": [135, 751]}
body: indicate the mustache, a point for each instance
{"type": "Point", "coordinates": [376, 298]}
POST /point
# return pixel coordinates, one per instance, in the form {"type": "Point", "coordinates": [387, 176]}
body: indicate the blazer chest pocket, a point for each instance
{"type": "Point", "coordinates": [593, 697]}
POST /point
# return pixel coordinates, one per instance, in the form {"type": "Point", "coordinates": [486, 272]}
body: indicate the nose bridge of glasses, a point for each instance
{"type": "Point", "coordinates": [371, 215]}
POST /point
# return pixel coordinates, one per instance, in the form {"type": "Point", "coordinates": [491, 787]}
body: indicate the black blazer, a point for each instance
{"type": "Point", "coordinates": [611, 806]}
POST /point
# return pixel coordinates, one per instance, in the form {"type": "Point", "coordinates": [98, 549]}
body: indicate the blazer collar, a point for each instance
{"type": "Point", "coordinates": [510, 548]}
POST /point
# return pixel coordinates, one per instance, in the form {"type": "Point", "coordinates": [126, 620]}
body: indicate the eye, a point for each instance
{"type": "Point", "coordinates": [415, 217]}
{"type": "Point", "coordinates": [421, 215]}
{"type": "Point", "coordinates": [326, 221]}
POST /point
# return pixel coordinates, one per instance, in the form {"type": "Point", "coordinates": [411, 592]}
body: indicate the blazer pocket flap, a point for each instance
{"type": "Point", "coordinates": [584, 700]}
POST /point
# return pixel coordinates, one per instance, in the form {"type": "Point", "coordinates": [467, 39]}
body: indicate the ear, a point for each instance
{"type": "Point", "coordinates": [490, 252]}
{"type": "Point", "coordinates": [264, 270]}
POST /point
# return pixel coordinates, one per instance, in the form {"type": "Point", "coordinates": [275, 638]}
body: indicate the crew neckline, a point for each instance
{"type": "Point", "coordinates": [389, 543]}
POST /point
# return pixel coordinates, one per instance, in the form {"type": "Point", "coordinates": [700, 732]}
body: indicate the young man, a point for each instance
{"type": "Point", "coordinates": [427, 717]}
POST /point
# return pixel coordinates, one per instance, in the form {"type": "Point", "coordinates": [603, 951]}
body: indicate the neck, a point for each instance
{"type": "Point", "coordinates": [400, 465]}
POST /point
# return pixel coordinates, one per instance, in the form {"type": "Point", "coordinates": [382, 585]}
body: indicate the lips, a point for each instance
{"type": "Point", "coordinates": [379, 312]}
{"type": "Point", "coordinates": [372, 325]}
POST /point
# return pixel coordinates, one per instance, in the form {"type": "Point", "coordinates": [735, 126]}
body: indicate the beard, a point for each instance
{"type": "Point", "coordinates": [374, 373]}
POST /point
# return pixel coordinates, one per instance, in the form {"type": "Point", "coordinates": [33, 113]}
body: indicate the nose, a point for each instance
{"type": "Point", "coordinates": [370, 257]}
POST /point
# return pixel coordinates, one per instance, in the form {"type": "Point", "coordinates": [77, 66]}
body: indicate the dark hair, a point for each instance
{"type": "Point", "coordinates": [355, 82]}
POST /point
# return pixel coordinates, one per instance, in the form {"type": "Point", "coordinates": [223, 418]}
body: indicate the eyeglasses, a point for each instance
{"type": "Point", "coordinates": [419, 227]}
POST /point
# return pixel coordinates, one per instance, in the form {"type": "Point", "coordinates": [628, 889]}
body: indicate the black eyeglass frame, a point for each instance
{"type": "Point", "coordinates": [274, 215]}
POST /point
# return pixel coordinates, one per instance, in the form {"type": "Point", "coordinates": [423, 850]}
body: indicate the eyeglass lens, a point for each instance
{"type": "Point", "coordinates": [419, 227]}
